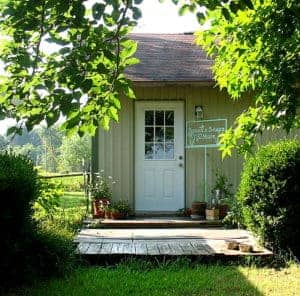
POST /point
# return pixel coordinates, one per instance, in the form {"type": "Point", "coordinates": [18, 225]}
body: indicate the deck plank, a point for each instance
{"type": "Point", "coordinates": [140, 248]}
{"type": "Point", "coordinates": [152, 248]}
{"type": "Point", "coordinates": [106, 248]}
{"type": "Point", "coordinates": [93, 249]}
{"type": "Point", "coordinates": [82, 248]}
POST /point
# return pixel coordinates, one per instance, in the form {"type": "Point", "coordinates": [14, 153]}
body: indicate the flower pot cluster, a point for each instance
{"type": "Point", "coordinates": [200, 211]}
{"type": "Point", "coordinates": [218, 205]}
{"type": "Point", "coordinates": [117, 210]}
{"type": "Point", "coordinates": [100, 190]}
{"type": "Point", "coordinates": [98, 207]}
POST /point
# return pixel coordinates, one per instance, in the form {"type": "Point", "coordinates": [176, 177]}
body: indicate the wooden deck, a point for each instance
{"type": "Point", "coordinates": [165, 241]}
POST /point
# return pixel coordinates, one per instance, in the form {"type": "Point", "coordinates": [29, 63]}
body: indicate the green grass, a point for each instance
{"type": "Point", "coordinates": [75, 183]}
{"type": "Point", "coordinates": [72, 200]}
{"type": "Point", "coordinates": [173, 279]}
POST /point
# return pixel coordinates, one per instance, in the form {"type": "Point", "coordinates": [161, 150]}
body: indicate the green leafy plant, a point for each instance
{"type": "Point", "coordinates": [269, 195]}
{"type": "Point", "coordinates": [122, 206]}
{"type": "Point", "coordinates": [81, 79]}
{"type": "Point", "coordinates": [224, 188]}
{"type": "Point", "coordinates": [101, 186]}
{"type": "Point", "coordinates": [19, 188]}
{"type": "Point", "coordinates": [47, 204]}
{"type": "Point", "coordinates": [256, 54]}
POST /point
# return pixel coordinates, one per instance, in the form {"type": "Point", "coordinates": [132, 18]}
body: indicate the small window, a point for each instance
{"type": "Point", "coordinates": [159, 134]}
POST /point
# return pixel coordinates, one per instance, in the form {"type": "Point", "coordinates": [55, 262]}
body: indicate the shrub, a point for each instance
{"type": "Point", "coordinates": [269, 195]}
{"type": "Point", "coordinates": [18, 189]}
{"type": "Point", "coordinates": [30, 247]}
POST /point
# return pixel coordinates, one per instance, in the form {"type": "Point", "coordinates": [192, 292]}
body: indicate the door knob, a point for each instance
{"type": "Point", "coordinates": [180, 157]}
{"type": "Point", "coordinates": [181, 165]}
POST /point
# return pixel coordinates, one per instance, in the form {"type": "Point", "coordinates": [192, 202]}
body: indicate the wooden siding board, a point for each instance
{"type": "Point", "coordinates": [120, 139]}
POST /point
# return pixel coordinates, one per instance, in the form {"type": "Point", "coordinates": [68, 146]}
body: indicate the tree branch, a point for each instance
{"type": "Point", "coordinates": [41, 34]}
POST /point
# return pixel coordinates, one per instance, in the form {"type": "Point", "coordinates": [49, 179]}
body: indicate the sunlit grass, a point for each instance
{"type": "Point", "coordinates": [174, 279]}
{"type": "Point", "coordinates": [72, 199]}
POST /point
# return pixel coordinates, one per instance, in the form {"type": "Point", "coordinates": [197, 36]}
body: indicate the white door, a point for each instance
{"type": "Point", "coordinates": [159, 156]}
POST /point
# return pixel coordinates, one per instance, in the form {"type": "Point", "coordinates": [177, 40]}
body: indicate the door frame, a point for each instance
{"type": "Point", "coordinates": [134, 151]}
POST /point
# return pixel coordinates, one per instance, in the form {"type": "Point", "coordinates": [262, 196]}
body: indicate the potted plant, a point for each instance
{"type": "Point", "coordinates": [107, 211]}
{"type": "Point", "coordinates": [120, 210]}
{"type": "Point", "coordinates": [100, 192]}
{"type": "Point", "coordinates": [212, 212]}
{"type": "Point", "coordinates": [223, 192]}
{"type": "Point", "coordinates": [198, 210]}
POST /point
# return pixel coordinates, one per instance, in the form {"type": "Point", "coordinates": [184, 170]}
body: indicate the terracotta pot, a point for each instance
{"type": "Point", "coordinates": [212, 214]}
{"type": "Point", "coordinates": [198, 208]}
{"type": "Point", "coordinates": [116, 215]}
{"type": "Point", "coordinates": [107, 215]}
{"type": "Point", "coordinates": [97, 212]}
{"type": "Point", "coordinates": [223, 210]}
{"type": "Point", "coordinates": [98, 207]}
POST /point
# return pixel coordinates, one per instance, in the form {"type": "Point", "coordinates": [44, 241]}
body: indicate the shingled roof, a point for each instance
{"type": "Point", "coordinates": [169, 58]}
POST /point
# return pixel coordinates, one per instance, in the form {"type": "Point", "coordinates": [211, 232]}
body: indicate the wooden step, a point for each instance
{"type": "Point", "coordinates": [157, 222]}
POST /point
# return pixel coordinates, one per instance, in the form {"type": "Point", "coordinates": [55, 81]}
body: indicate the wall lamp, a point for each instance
{"type": "Point", "coordinates": [199, 112]}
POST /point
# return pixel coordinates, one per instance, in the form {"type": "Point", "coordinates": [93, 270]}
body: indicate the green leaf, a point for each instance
{"type": "Point", "coordinates": [86, 85]}
{"type": "Point", "coordinates": [104, 121]}
{"type": "Point", "coordinates": [136, 13]}
{"type": "Point", "coordinates": [128, 92]}
{"type": "Point", "coordinates": [65, 50]}
{"type": "Point", "coordinates": [52, 117]}
{"type": "Point", "coordinates": [226, 13]}
{"type": "Point", "coordinates": [98, 10]}
{"type": "Point", "coordinates": [129, 48]}
{"type": "Point", "coordinates": [200, 17]}
{"type": "Point", "coordinates": [248, 3]}
{"type": "Point", "coordinates": [14, 130]}
{"type": "Point", "coordinates": [113, 113]}
{"type": "Point", "coordinates": [184, 9]}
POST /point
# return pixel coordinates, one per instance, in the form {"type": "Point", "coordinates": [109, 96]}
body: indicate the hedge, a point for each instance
{"type": "Point", "coordinates": [269, 195]}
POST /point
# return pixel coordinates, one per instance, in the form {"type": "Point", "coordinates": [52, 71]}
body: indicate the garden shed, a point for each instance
{"type": "Point", "coordinates": [163, 153]}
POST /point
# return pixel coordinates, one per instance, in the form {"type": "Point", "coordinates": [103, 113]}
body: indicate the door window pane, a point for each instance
{"type": "Point", "coordinates": [170, 134]}
{"type": "Point", "coordinates": [159, 134]}
{"type": "Point", "coordinates": [159, 151]}
{"type": "Point", "coordinates": [149, 134]}
{"type": "Point", "coordinates": [149, 117]}
{"type": "Point", "coordinates": [149, 151]}
{"type": "Point", "coordinates": [159, 117]}
{"type": "Point", "coordinates": [169, 117]}
{"type": "Point", "coordinates": [169, 150]}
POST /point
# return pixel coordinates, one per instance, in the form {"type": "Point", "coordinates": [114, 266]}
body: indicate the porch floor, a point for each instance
{"type": "Point", "coordinates": [164, 241]}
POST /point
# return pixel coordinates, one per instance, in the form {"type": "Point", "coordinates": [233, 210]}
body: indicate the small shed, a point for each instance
{"type": "Point", "coordinates": [163, 152]}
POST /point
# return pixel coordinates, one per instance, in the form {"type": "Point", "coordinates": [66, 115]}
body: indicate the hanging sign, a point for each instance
{"type": "Point", "coordinates": [204, 133]}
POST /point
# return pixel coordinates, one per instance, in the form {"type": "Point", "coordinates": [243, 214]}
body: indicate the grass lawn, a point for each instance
{"type": "Point", "coordinates": [174, 279]}
{"type": "Point", "coordinates": [72, 200]}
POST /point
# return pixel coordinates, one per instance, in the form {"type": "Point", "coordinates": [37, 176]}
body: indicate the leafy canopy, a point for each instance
{"type": "Point", "coordinates": [256, 50]}
{"type": "Point", "coordinates": [81, 77]}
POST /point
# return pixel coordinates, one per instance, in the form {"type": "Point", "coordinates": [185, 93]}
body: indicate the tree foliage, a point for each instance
{"type": "Point", "coordinates": [81, 76]}
{"type": "Point", "coordinates": [257, 50]}
{"type": "Point", "coordinates": [73, 152]}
